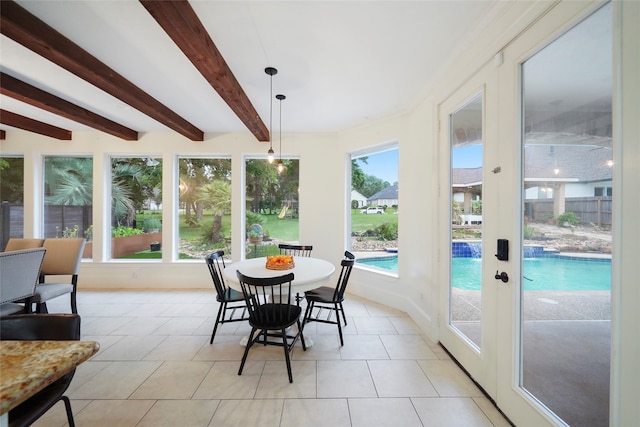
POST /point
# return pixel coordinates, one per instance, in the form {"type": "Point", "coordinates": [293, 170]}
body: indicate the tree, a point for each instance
{"type": "Point", "coordinates": [69, 181]}
{"type": "Point", "coordinates": [11, 179]}
{"type": "Point", "coordinates": [217, 196]}
{"type": "Point", "coordinates": [357, 174]}
{"type": "Point", "coordinates": [372, 185]}
{"type": "Point", "coordinates": [195, 173]}
{"type": "Point", "coordinates": [125, 179]}
{"type": "Point", "coordinates": [262, 184]}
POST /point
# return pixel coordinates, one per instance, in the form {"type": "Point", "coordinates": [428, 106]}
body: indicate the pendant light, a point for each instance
{"type": "Point", "coordinates": [271, 72]}
{"type": "Point", "coordinates": [280, 97]}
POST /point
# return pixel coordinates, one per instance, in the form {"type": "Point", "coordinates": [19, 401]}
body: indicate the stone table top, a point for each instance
{"type": "Point", "coordinates": [26, 367]}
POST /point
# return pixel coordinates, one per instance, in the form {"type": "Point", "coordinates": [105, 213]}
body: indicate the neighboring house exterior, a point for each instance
{"type": "Point", "coordinates": [554, 172]}
{"type": "Point", "coordinates": [385, 197]}
{"type": "Point", "coordinates": [362, 201]}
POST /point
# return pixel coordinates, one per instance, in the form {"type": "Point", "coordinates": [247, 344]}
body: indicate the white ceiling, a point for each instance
{"type": "Point", "coordinates": [341, 63]}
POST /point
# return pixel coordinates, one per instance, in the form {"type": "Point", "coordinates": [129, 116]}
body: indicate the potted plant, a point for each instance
{"type": "Point", "coordinates": [254, 235]}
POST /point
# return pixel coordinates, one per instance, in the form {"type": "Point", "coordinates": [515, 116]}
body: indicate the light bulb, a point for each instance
{"type": "Point", "coordinates": [280, 166]}
{"type": "Point", "coordinates": [270, 154]}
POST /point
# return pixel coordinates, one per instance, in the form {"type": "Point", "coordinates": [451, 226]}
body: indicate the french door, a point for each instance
{"type": "Point", "coordinates": [525, 141]}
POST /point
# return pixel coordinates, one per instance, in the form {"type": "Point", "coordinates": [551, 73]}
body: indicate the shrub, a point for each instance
{"type": "Point", "coordinates": [387, 231]}
{"type": "Point", "coordinates": [529, 232]}
{"type": "Point", "coordinates": [568, 218]}
{"type": "Point", "coordinates": [122, 231]}
{"type": "Point", "coordinates": [151, 224]}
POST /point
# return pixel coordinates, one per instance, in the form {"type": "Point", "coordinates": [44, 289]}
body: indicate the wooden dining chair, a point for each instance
{"type": "Point", "coordinates": [50, 327]}
{"type": "Point", "coordinates": [229, 299]}
{"type": "Point", "coordinates": [270, 314]}
{"type": "Point", "coordinates": [330, 299]}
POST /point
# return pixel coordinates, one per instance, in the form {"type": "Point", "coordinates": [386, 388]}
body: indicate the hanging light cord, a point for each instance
{"type": "Point", "coordinates": [280, 164]}
{"type": "Point", "coordinates": [271, 72]}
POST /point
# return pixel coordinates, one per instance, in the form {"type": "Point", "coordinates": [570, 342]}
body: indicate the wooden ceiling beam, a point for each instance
{"type": "Point", "coordinates": [28, 30]}
{"type": "Point", "coordinates": [180, 22]}
{"type": "Point", "coordinates": [25, 123]}
{"type": "Point", "coordinates": [32, 95]}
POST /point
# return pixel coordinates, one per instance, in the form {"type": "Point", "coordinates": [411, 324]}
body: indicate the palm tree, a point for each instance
{"type": "Point", "coordinates": [69, 181]}
{"type": "Point", "coordinates": [216, 195]}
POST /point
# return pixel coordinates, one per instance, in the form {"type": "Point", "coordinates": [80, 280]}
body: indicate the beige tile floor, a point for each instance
{"type": "Point", "coordinates": [157, 368]}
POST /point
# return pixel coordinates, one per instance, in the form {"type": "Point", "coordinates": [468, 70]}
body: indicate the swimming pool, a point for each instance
{"type": "Point", "coordinates": [548, 274]}
{"type": "Point", "coordinates": [386, 263]}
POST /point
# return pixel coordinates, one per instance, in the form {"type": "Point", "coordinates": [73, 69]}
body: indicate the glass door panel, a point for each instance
{"type": "Point", "coordinates": [465, 291]}
{"type": "Point", "coordinates": [566, 272]}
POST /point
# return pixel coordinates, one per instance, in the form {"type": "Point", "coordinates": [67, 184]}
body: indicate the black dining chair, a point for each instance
{"type": "Point", "coordinates": [50, 327]}
{"type": "Point", "coordinates": [296, 250]}
{"type": "Point", "coordinates": [229, 300]}
{"type": "Point", "coordinates": [271, 313]}
{"type": "Point", "coordinates": [330, 299]}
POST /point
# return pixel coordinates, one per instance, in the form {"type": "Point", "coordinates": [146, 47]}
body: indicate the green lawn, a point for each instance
{"type": "Point", "coordinates": [282, 229]}
{"type": "Point", "coordinates": [362, 222]}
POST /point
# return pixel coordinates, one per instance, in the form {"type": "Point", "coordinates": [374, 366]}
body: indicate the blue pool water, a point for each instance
{"type": "Point", "coordinates": [549, 273]}
{"type": "Point", "coordinates": [387, 263]}
{"type": "Point", "coordinates": [542, 274]}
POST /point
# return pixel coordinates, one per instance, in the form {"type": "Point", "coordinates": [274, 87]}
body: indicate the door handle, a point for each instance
{"type": "Point", "coordinates": [502, 276]}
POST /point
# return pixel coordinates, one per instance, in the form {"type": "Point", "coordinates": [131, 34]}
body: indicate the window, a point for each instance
{"type": "Point", "coordinates": [272, 214]}
{"type": "Point", "coordinates": [136, 207]}
{"type": "Point", "coordinates": [68, 197]}
{"type": "Point", "coordinates": [602, 191]}
{"type": "Point", "coordinates": [374, 208]}
{"type": "Point", "coordinates": [567, 146]}
{"type": "Point", "coordinates": [12, 197]}
{"type": "Point", "coordinates": [465, 290]}
{"type": "Point", "coordinates": [204, 207]}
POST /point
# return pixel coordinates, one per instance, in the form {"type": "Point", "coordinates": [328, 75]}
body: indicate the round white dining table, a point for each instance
{"type": "Point", "coordinates": [308, 273]}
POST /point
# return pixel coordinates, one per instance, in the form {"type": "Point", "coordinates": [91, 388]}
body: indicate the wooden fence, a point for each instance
{"type": "Point", "coordinates": [57, 221]}
{"type": "Point", "coordinates": [590, 210]}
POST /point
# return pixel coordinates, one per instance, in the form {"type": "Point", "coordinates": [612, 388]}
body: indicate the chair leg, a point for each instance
{"type": "Point", "coordinates": [215, 326]}
{"type": "Point", "coordinates": [41, 307]}
{"type": "Point", "coordinates": [300, 328]}
{"type": "Point", "coordinates": [307, 314]}
{"type": "Point", "coordinates": [343, 316]}
{"type": "Point", "coordinates": [67, 405]}
{"type": "Point", "coordinates": [286, 354]}
{"type": "Point", "coordinates": [338, 323]}
{"type": "Point", "coordinates": [74, 303]}
{"type": "Point", "coordinates": [246, 350]}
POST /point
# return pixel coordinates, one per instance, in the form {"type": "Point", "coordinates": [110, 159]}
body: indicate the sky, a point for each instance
{"type": "Point", "coordinates": [468, 156]}
{"type": "Point", "coordinates": [382, 165]}
{"type": "Point", "coordinates": [385, 165]}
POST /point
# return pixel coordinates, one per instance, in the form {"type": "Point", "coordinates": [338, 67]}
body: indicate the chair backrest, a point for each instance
{"type": "Point", "coordinates": [295, 250]}
{"type": "Point", "coordinates": [63, 256]}
{"type": "Point", "coordinates": [345, 273]}
{"type": "Point", "coordinates": [215, 262]}
{"type": "Point", "coordinates": [19, 271]}
{"type": "Point", "coordinates": [262, 294]}
{"type": "Point", "coordinates": [18, 244]}
{"type": "Point", "coordinates": [51, 327]}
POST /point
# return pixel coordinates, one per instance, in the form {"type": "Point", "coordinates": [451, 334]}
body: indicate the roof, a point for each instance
{"type": "Point", "coordinates": [386, 193]}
